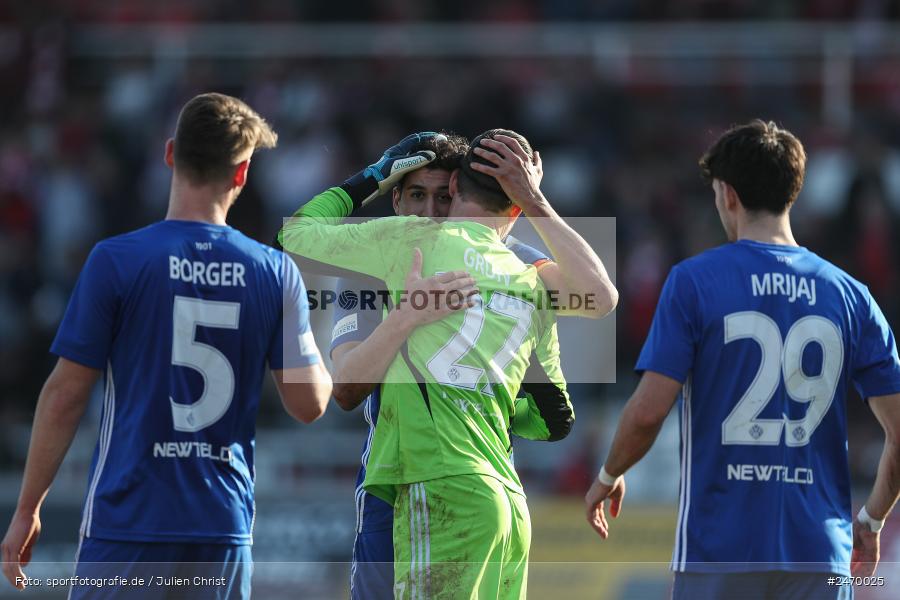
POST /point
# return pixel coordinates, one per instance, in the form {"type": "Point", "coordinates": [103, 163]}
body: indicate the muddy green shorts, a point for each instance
{"type": "Point", "coordinates": [465, 536]}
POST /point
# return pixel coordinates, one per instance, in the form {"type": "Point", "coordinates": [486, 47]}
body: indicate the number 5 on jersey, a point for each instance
{"type": "Point", "coordinates": [218, 376]}
{"type": "Point", "coordinates": [783, 359]}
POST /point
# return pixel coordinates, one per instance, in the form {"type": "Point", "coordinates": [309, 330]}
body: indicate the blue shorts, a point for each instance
{"type": "Point", "coordinates": [372, 571]}
{"type": "Point", "coordinates": [145, 570]}
{"type": "Point", "coordinates": [752, 586]}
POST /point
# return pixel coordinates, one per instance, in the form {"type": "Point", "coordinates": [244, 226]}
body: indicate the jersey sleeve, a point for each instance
{"type": "Point", "coordinates": [293, 345]}
{"type": "Point", "coordinates": [542, 410]}
{"type": "Point", "coordinates": [548, 413]}
{"type": "Point", "coordinates": [86, 332]}
{"type": "Point", "coordinates": [315, 232]}
{"type": "Point", "coordinates": [354, 323]}
{"type": "Point", "coordinates": [527, 422]}
{"type": "Point", "coordinates": [876, 367]}
{"type": "Point", "coordinates": [670, 346]}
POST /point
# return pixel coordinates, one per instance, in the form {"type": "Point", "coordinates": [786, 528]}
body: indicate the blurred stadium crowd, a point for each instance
{"type": "Point", "coordinates": [460, 10]}
{"type": "Point", "coordinates": [81, 149]}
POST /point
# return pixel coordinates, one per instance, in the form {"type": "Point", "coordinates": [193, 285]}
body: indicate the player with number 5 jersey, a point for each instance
{"type": "Point", "coordinates": [182, 318]}
{"type": "Point", "coordinates": [762, 341]}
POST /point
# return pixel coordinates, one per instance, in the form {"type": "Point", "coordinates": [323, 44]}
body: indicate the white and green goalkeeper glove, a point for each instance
{"type": "Point", "coordinates": [397, 161]}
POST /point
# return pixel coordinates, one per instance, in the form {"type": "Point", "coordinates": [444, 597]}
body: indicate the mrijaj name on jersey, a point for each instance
{"type": "Point", "coordinates": [198, 272]}
{"type": "Point", "coordinates": [793, 287]}
{"type": "Point", "coordinates": [190, 450]}
{"type": "Point", "coordinates": [770, 473]}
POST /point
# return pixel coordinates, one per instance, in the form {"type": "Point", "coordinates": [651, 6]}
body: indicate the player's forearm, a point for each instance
{"type": "Point", "coordinates": [56, 418]}
{"type": "Point", "coordinates": [544, 421]}
{"type": "Point", "coordinates": [305, 391]}
{"type": "Point", "coordinates": [544, 412]}
{"type": "Point", "coordinates": [359, 371]}
{"type": "Point", "coordinates": [526, 422]}
{"type": "Point", "coordinates": [320, 393]}
{"type": "Point", "coordinates": [641, 420]}
{"type": "Point", "coordinates": [582, 272]}
{"type": "Point", "coordinates": [886, 489]}
{"type": "Point", "coordinates": [304, 231]}
{"type": "Point", "coordinates": [633, 439]}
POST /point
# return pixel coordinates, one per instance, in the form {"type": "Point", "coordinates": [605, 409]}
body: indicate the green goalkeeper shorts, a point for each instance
{"type": "Point", "coordinates": [465, 536]}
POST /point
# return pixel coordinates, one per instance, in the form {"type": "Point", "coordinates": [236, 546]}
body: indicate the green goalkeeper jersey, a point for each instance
{"type": "Point", "coordinates": [448, 398]}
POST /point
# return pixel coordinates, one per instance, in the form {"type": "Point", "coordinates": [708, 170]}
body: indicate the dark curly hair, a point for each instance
{"type": "Point", "coordinates": [762, 162]}
{"type": "Point", "coordinates": [449, 151]}
{"type": "Point", "coordinates": [483, 188]}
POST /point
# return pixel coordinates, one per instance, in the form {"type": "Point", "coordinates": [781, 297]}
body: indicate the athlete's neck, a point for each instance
{"type": "Point", "coordinates": [201, 204]}
{"type": "Point", "coordinates": [501, 225]}
{"type": "Point", "coordinates": [768, 229]}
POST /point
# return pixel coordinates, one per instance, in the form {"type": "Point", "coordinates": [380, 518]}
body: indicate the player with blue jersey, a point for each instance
{"type": "Point", "coordinates": [181, 319]}
{"type": "Point", "coordinates": [362, 337]}
{"type": "Point", "coordinates": [760, 340]}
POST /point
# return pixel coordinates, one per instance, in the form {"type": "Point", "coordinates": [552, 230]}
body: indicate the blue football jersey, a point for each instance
{"type": "Point", "coordinates": [766, 340]}
{"type": "Point", "coordinates": [358, 312]}
{"type": "Point", "coordinates": [183, 318]}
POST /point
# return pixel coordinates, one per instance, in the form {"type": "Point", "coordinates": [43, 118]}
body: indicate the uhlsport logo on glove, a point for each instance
{"type": "Point", "coordinates": [411, 162]}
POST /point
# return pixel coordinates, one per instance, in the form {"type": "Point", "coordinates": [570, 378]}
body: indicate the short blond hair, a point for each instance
{"type": "Point", "coordinates": [213, 132]}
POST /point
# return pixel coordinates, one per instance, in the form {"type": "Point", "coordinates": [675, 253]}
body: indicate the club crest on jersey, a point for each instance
{"type": "Point", "coordinates": [793, 287]}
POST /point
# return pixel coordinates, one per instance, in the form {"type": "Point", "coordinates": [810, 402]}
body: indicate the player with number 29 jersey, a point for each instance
{"type": "Point", "coordinates": [767, 443]}
{"type": "Point", "coordinates": [183, 317]}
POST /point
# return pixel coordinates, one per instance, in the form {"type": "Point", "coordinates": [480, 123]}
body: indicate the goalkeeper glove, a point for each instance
{"type": "Point", "coordinates": [397, 161]}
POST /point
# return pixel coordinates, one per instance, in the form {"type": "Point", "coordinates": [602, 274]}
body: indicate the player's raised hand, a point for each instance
{"type": "Point", "coordinates": [866, 550]}
{"type": "Point", "coordinates": [398, 160]}
{"type": "Point", "coordinates": [430, 299]}
{"type": "Point", "coordinates": [23, 533]}
{"type": "Point", "coordinates": [518, 174]}
{"type": "Point", "coordinates": [594, 500]}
